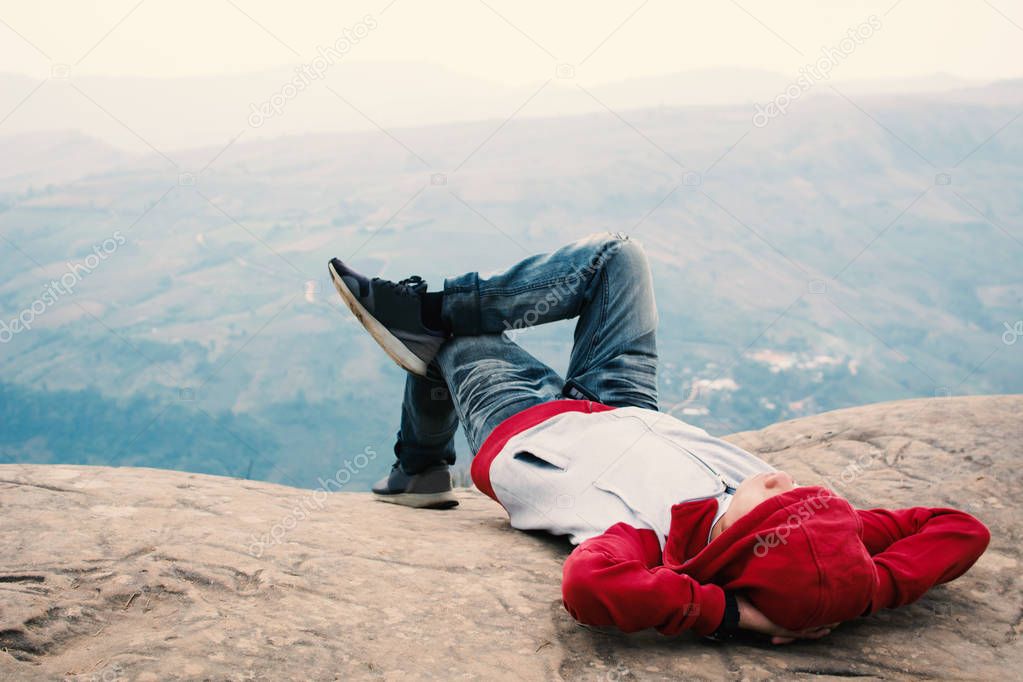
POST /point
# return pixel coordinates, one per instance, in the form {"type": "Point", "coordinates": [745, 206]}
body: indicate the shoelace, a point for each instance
{"type": "Point", "coordinates": [407, 286]}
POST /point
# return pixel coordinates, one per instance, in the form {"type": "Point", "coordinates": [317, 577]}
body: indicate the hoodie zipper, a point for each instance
{"type": "Point", "coordinates": [728, 487]}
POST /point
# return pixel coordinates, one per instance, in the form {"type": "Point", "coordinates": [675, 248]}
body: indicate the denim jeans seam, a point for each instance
{"type": "Point", "coordinates": [532, 286]}
{"type": "Point", "coordinates": [619, 350]}
{"type": "Point", "coordinates": [479, 304]}
{"type": "Point", "coordinates": [605, 297]}
{"type": "Point", "coordinates": [603, 282]}
{"type": "Point", "coordinates": [610, 241]}
{"type": "Point", "coordinates": [473, 447]}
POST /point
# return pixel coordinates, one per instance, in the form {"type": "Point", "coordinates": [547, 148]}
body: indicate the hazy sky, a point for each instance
{"type": "Point", "coordinates": [512, 41]}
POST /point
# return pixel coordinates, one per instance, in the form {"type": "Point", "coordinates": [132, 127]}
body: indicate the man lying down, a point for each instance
{"type": "Point", "coordinates": [675, 529]}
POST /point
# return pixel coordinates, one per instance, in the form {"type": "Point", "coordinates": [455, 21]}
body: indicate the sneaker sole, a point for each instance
{"type": "Point", "coordinates": [391, 344]}
{"type": "Point", "coordinates": [420, 500]}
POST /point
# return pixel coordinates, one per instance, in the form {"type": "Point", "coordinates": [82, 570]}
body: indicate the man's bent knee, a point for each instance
{"type": "Point", "coordinates": [625, 253]}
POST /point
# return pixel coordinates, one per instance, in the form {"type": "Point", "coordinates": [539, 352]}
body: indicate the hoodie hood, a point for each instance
{"type": "Point", "coordinates": [798, 556]}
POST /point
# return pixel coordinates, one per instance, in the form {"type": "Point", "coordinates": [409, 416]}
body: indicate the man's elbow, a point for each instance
{"type": "Point", "coordinates": [581, 590]}
{"type": "Point", "coordinates": [970, 539]}
{"type": "Point", "coordinates": [980, 538]}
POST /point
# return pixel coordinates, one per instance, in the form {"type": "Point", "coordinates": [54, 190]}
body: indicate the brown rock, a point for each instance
{"type": "Point", "coordinates": [155, 575]}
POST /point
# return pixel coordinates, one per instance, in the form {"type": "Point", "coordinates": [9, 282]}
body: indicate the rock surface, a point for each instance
{"type": "Point", "coordinates": [153, 575]}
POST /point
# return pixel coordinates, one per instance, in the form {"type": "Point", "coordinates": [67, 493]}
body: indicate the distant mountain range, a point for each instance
{"type": "Point", "coordinates": [133, 113]}
{"type": "Point", "coordinates": [858, 248]}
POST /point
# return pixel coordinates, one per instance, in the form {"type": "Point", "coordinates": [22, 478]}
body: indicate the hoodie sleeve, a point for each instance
{"type": "Point", "coordinates": [617, 579]}
{"type": "Point", "coordinates": [915, 549]}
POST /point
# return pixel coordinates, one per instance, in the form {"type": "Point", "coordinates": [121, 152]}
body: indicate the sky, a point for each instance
{"type": "Point", "coordinates": [511, 42]}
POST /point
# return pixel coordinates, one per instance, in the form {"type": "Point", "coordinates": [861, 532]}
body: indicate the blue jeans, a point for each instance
{"type": "Point", "coordinates": [480, 377]}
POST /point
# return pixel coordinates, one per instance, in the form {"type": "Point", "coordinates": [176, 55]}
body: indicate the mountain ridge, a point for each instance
{"type": "Point", "coordinates": [831, 258]}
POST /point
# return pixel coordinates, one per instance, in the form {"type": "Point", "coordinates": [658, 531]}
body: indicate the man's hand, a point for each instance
{"type": "Point", "coordinates": [751, 618]}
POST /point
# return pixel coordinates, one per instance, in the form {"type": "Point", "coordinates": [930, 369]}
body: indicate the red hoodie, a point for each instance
{"type": "Point", "coordinates": [833, 563]}
{"type": "Point", "coordinates": [622, 578]}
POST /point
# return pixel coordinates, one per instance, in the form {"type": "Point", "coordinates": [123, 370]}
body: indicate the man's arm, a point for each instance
{"type": "Point", "coordinates": [617, 579]}
{"type": "Point", "coordinates": [917, 548]}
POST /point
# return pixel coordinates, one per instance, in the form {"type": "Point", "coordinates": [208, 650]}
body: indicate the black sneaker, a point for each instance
{"type": "Point", "coordinates": [392, 313]}
{"type": "Point", "coordinates": [429, 489]}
